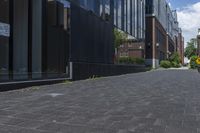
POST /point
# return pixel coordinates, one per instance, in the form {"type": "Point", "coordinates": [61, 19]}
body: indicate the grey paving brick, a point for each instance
{"type": "Point", "coordinates": [152, 102]}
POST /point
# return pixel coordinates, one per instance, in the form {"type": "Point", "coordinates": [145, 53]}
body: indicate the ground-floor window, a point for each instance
{"type": "Point", "coordinates": [34, 39]}
{"type": "Point", "coordinates": [20, 39]}
{"type": "Point", "coordinates": [4, 39]}
{"type": "Point", "coordinates": [57, 37]}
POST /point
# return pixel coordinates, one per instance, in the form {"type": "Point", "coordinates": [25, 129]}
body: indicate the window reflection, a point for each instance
{"type": "Point", "coordinates": [20, 39]}
{"type": "Point", "coordinates": [57, 37]}
{"type": "Point", "coordinates": [4, 39]}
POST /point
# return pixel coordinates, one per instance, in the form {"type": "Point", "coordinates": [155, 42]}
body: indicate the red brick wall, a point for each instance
{"type": "Point", "coordinates": [198, 41]}
{"type": "Point", "coordinates": [180, 47]}
{"type": "Point", "coordinates": [132, 49]}
{"type": "Point", "coordinates": [136, 53]}
{"type": "Point", "coordinates": [151, 35]}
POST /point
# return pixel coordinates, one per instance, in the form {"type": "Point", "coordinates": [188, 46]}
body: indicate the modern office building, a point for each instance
{"type": "Point", "coordinates": [46, 39]}
{"type": "Point", "coordinates": [161, 31]}
{"type": "Point", "coordinates": [55, 39]}
{"type": "Point", "coordinates": [129, 17]}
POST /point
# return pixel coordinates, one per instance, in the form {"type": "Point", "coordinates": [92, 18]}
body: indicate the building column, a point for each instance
{"type": "Point", "coordinates": [153, 43]}
{"type": "Point", "coordinates": [167, 45]}
{"type": "Point", "coordinates": [198, 44]}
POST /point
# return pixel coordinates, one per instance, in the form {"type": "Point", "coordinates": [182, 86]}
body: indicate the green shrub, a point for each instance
{"type": "Point", "coordinates": [175, 64]}
{"type": "Point", "coordinates": [175, 58]}
{"type": "Point", "coordinates": [139, 61]}
{"type": "Point", "coordinates": [122, 59]}
{"type": "Point", "coordinates": [126, 60]}
{"type": "Point", "coordinates": [165, 64]}
{"type": "Point", "coordinates": [193, 64]}
{"type": "Point", "coordinates": [131, 60]}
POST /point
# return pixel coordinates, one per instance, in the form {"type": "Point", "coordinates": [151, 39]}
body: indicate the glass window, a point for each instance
{"type": "Point", "coordinates": [107, 6]}
{"type": "Point", "coordinates": [136, 18]}
{"type": "Point", "coordinates": [4, 39]}
{"type": "Point", "coordinates": [125, 15]}
{"type": "Point", "coordinates": [83, 3]}
{"type": "Point", "coordinates": [129, 16]}
{"type": "Point", "coordinates": [119, 14]}
{"type": "Point", "coordinates": [20, 39]}
{"type": "Point", "coordinates": [133, 18]}
{"type": "Point", "coordinates": [57, 38]}
{"type": "Point", "coordinates": [36, 39]}
{"type": "Point", "coordinates": [115, 12]}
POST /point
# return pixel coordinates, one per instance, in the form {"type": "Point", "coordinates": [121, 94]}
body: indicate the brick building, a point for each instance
{"type": "Point", "coordinates": [161, 32]}
{"type": "Point", "coordinates": [198, 42]}
{"type": "Point", "coordinates": [132, 49]}
{"type": "Point", "coordinates": [180, 46]}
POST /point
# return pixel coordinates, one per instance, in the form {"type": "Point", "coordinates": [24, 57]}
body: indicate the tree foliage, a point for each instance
{"type": "Point", "coordinates": [191, 48]}
{"type": "Point", "coordinates": [120, 37]}
{"type": "Point", "coordinates": [175, 57]}
{"type": "Point", "coordinates": [175, 60]}
{"type": "Point", "coordinates": [193, 63]}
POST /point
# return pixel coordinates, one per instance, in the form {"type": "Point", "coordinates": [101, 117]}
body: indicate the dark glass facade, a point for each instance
{"type": "Point", "coordinates": [39, 41]}
{"type": "Point", "coordinates": [33, 39]}
{"type": "Point", "coordinates": [127, 15]}
{"type": "Point", "coordinates": [4, 39]}
{"type": "Point", "coordinates": [57, 37]}
{"type": "Point", "coordinates": [38, 38]}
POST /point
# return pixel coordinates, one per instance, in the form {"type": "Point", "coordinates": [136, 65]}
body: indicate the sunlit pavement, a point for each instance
{"type": "Point", "coordinates": [181, 68]}
{"type": "Point", "coordinates": [151, 102]}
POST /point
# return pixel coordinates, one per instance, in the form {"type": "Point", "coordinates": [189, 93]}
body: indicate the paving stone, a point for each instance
{"type": "Point", "coordinates": [165, 101]}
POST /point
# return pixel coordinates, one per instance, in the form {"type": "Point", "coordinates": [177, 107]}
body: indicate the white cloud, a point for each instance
{"type": "Point", "coordinates": [189, 20]}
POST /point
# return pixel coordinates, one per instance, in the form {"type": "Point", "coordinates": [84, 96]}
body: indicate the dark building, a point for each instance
{"type": "Point", "coordinates": [48, 39]}
{"type": "Point", "coordinates": [129, 17]}
{"type": "Point", "coordinates": [59, 39]}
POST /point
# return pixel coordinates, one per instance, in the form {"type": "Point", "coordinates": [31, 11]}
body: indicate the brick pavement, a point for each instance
{"type": "Point", "coordinates": [166, 101]}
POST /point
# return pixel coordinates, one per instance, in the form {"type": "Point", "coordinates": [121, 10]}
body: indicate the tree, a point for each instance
{"type": "Point", "coordinates": [120, 37]}
{"type": "Point", "coordinates": [175, 60]}
{"type": "Point", "coordinates": [175, 57]}
{"type": "Point", "coordinates": [191, 48]}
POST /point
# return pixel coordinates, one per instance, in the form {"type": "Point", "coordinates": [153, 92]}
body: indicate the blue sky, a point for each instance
{"type": "Point", "coordinates": [182, 3]}
{"type": "Point", "coordinates": [188, 16]}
